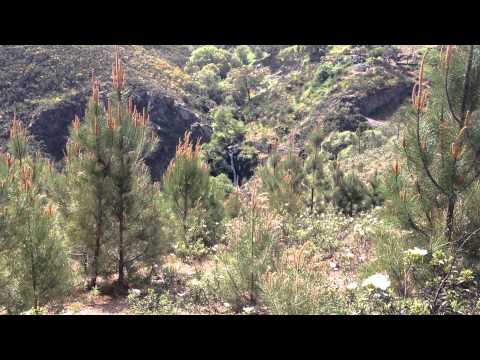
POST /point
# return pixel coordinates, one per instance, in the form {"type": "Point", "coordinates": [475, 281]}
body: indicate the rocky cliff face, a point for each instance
{"type": "Point", "coordinates": [48, 85]}
{"type": "Point", "coordinates": [49, 125]}
{"type": "Point", "coordinates": [384, 101]}
{"type": "Point", "coordinates": [170, 120]}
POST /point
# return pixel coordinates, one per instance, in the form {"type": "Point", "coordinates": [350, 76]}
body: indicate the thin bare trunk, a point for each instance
{"type": "Point", "coordinates": [93, 280]}
{"type": "Point", "coordinates": [121, 259]}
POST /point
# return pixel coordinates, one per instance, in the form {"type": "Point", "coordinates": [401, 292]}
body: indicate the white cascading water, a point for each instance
{"type": "Point", "coordinates": [232, 166]}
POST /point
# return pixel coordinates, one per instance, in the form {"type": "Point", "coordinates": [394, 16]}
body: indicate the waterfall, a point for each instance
{"type": "Point", "coordinates": [232, 166]}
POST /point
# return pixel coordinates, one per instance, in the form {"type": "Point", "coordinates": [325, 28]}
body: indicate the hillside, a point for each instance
{"type": "Point", "coordinates": [48, 85]}
{"type": "Point", "coordinates": [260, 179]}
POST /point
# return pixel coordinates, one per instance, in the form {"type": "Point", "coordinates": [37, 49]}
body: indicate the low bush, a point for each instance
{"type": "Point", "coordinates": [325, 230]}
{"type": "Point", "coordinates": [296, 286]}
{"type": "Point", "coordinates": [151, 303]}
{"type": "Point", "coordinates": [252, 245]}
{"type": "Point", "coordinates": [337, 141]}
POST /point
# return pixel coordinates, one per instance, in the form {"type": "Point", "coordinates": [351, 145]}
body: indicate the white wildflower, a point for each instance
{"type": "Point", "coordinates": [249, 310]}
{"type": "Point", "coordinates": [195, 283]}
{"type": "Point", "coordinates": [358, 229]}
{"type": "Point", "coordinates": [379, 281]}
{"type": "Point", "coordinates": [352, 286]}
{"type": "Point", "coordinates": [136, 292]}
{"type": "Point", "coordinates": [416, 252]}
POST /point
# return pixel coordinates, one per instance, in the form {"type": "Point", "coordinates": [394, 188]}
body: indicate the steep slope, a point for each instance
{"type": "Point", "coordinates": [175, 54]}
{"type": "Point", "coordinates": [48, 85]}
{"type": "Point", "coordinates": [338, 87]}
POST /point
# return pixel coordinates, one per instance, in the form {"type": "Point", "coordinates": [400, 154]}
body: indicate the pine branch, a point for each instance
{"type": "Point", "coordinates": [424, 160]}
{"type": "Point", "coordinates": [449, 102]}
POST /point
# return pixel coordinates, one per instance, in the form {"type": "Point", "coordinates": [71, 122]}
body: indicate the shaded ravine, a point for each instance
{"type": "Point", "coordinates": [49, 126]}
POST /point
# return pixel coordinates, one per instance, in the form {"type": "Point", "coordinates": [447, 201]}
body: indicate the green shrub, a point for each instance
{"type": "Point", "coordinates": [186, 184]}
{"type": "Point", "coordinates": [210, 54]}
{"type": "Point", "coordinates": [36, 311]}
{"type": "Point", "coordinates": [376, 52]}
{"type": "Point", "coordinates": [390, 245]}
{"type": "Point", "coordinates": [190, 251]}
{"type": "Point", "coordinates": [431, 284]}
{"type": "Point", "coordinates": [297, 287]}
{"type": "Point", "coordinates": [197, 291]}
{"type": "Point", "coordinates": [347, 153]}
{"type": "Point", "coordinates": [208, 81]}
{"type": "Point", "coordinates": [372, 139]}
{"type": "Point", "coordinates": [151, 303]}
{"type": "Point", "coordinates": [324, 229]}
{"type": "Point", "coordinates": [171, 279]}
{"type": "Point", "coordinates": [324, 72]}
{"type": "Point", "coordinates": [233, 205]}
{"type": "Point", "coordinates": [245, 54]}
{"type": "Point", "coordinates": [337, 141]}
{"type": "Point", "coordinates": [350, 195]}
{"type": "Point", "coordinates": [34, 264]}
{"type": "Point", "coordinates": [252, 243]}
{"type": "Point", "coordinates": [283, 179]}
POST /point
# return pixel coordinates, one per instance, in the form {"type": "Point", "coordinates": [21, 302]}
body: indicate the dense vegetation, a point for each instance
{"type": "Point", "coordinates": [321, 188]}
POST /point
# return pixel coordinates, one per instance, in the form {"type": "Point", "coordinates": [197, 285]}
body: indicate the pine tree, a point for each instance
{"type": "Point", "coordinates": [375, 191]}
{"type": "Point", "coordinates": [6, 188]}
{"type": "Point", "coordinates": [186, 181]}
{"type": "Point", "coordinates": [316, 180]}
{"type": "Point", "coordinates": [36, 265]}
{"type": "Point", "coordinates": [112, 208]}
{"type": "Point", "coordinates": [283, 179]}
{"type": "Point", "coordinates": [350, 195]}
{"type": "Point", "coordinates": [433, 188]}
{"type": "Point", "coordinates": [219, 188]}
{"type": "Point", "coordinates": [88, 184]}
{"type": "Point", "coordinates": [130, 139]}
{"type": "Point", "coordinates": [252, 248]}
{"type": "Point", "coordinates": [233, 204]}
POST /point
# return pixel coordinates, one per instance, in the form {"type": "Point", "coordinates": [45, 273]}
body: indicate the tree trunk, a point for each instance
{"type": "Point", "coordinates": [252, 280]}
{"type": "Point", "coordinates": [121, 260]}
{"type": "Point", "coordinates": [99, 195]}
{"type": "Point", "coordinates": [466, 88]}
{"type": "Point", "coordinates": [311, 199]}
{"type": "Point", "coordinates": [93, 280]}
{"type": "Point", "coordinates": [33, 268]}
{"type": "Point", "coordinates": [185, 209]}
{"type": "Point", "coordinates": [450, 212]}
